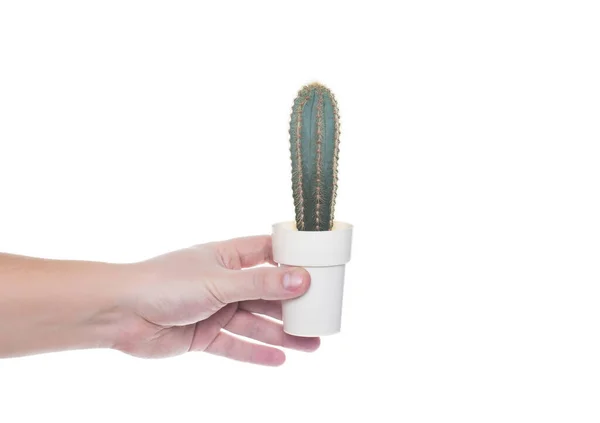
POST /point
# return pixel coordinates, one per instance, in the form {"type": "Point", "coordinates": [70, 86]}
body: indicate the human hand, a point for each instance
{"type": "Point", "coordinates": [199, 299]}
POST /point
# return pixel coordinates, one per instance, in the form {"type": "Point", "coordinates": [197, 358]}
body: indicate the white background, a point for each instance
{"type": "Point", "coordinates": [469, 165]}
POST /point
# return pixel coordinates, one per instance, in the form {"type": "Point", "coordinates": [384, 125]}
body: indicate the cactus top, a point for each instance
{"type": "Point", "coordinates": [314, 148]}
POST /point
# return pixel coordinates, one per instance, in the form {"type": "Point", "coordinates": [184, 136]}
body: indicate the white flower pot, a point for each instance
{"type": "Point", "coordinates": [324, 255]}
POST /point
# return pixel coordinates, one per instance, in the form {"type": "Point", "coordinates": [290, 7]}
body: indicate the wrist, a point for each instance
{"type": "Point", "coordinates": [113, 310]}
{"type": "Point", "coordinates": [86, 307]}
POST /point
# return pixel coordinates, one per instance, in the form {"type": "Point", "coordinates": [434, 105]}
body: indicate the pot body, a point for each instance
{"type": "Point", "coordinates": [324, 255]}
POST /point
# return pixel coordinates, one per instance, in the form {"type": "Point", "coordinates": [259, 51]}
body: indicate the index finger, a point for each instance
{"type": "Point", "coordinates": [239, 253]}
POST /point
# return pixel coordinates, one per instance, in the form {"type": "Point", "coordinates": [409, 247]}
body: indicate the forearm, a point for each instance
{"type": "Point", "coordinates": [53, 305]}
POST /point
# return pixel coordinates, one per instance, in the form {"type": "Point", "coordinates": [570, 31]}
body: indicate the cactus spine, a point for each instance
{"type": "Point", "coordinates": [314, 148]}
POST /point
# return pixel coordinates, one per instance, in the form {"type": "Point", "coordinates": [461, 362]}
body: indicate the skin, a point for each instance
{"type": "Point", "coordinates": [203, 298]}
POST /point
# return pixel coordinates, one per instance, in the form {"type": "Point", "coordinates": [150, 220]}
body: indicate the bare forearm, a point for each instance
{"type": "Point", "coordinates": [53, 305]}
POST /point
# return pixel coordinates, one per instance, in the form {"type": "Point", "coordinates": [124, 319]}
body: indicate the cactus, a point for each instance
{"type": "Point", "coordinates": [314, 148]}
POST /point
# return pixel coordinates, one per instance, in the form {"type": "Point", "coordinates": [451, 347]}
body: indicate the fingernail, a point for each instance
{"type": "Point", "coordinates": [292, 280]}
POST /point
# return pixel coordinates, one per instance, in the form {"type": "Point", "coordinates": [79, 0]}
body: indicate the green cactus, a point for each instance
{"type": "Point", "coordinates": [314, 148]}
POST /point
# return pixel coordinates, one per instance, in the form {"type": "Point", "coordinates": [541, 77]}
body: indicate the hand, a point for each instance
{"type": "Point", "coordinates": [196, 299]}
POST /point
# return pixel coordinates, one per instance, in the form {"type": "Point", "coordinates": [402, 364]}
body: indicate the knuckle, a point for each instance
{"type": "Point", "coordinates": [216, 293]}
{"type": "Point", "coordinates": [228, 345]}
{"type": "Point", "coordinates": [254, 330]}
{"type": "Point", "coordinates": [259, 281]}
{"type": "Point", "coordinates": [227, 257]}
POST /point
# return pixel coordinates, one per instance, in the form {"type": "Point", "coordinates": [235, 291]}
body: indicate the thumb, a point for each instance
{"type": "Point", "coordinates": [267, 283]}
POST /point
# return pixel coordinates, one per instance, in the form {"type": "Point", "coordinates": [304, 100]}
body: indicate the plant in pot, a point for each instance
{"type": "Point", "coordinates": [314, 240]}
